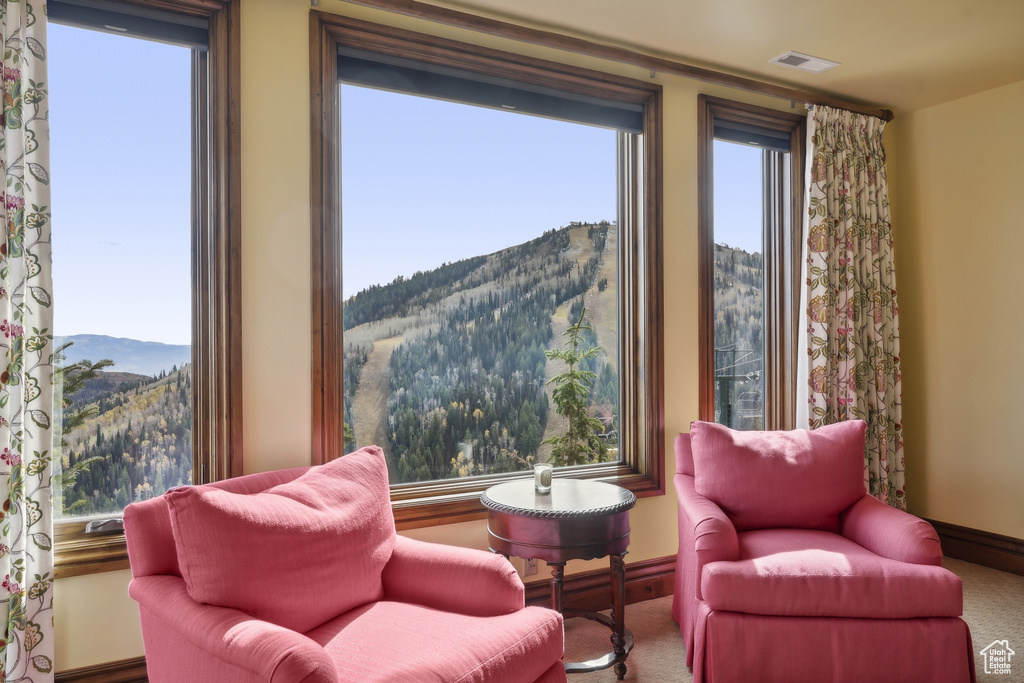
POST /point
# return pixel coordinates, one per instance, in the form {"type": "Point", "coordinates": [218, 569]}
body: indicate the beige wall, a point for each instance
{"type": "Point", "coordinates": [276, 286]}
{"type": "Point", "coordinates": [958, 208]}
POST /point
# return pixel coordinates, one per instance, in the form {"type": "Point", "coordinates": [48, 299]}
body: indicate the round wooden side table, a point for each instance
{"type": "Point", "coordinates": [576, 520]}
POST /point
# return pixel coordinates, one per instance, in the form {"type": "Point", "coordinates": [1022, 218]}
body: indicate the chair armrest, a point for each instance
{"type": "Point", "coordinates": [452, 579]}
{"type": "Point", "coordinates": [891, 533]}
{"type": "Point", "coordinates": [705, 535]}
{"type": "Point", "coordinates": [706, 526]}
{"type": "Point", "coordinates": [270, 652]}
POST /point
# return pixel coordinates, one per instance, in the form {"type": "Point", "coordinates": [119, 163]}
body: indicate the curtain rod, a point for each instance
{"type": "Point", "coordinates": [559, 41]}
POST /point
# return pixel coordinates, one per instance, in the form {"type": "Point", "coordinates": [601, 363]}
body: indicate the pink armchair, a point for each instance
{"type": "Point", "coordinates": [788, 571]}
{"type": "Point", "coordinates": [298, 576]}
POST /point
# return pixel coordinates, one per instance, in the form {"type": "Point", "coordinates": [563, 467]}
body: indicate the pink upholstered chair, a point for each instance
{"type": "Point", "coordinates": [788, 571]}
{"type": "Point", "coordinates": [298, 576]}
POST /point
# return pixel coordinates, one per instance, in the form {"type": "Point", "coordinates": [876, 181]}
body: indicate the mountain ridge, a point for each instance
{"type": "Point", "coordinates": [446, 369]}
{"type": "Point", "coordinates": [129, 355]}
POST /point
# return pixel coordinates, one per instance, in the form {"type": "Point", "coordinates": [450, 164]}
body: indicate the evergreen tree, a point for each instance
{"type": "Point", "coordinates": [580, 444]}
{"type": "Point", "coordinates": [72, 378]}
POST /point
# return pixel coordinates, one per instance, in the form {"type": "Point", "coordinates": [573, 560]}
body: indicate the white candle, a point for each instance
{"type": "Point", "coordinates": [542, 477]}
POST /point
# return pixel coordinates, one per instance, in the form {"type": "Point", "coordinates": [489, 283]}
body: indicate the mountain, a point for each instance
{"type": "Point", "coordinates": [739, 338]}
{"type": "Point", "coordinates": [447, 369]}
{"type": "Point", "coordinates": [135, 443]}
{"type": "Point", "coordinates": [129, 355]}
{"type": "Point", "coordinates": [739, 300]}
{"type": "Point", "coordinates": [106, 383]}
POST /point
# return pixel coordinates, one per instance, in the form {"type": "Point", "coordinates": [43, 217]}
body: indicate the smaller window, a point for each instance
{"type": "Point", "coordinates": [193, 406]}
{"type": "Point", "coordinates": [750, 169]}
{"type": "Point", "coordinates": [126, 432]}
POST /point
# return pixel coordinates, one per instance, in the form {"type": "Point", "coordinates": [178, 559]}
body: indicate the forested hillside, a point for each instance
{"type": "Point", "coordinates": [739, 337]}
{"type": "Point", "coordinates": [464, 386]}
{"type": "Point", "coordinates": [138, 444]}
{"type": "Point", "coordinates": [739, 303]}
{"type": "Point", "coordinates": [450, 377]}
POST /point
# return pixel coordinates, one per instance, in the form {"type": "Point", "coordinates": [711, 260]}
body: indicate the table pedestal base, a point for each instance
{"type": "Point", "coordinates": [622, 637]}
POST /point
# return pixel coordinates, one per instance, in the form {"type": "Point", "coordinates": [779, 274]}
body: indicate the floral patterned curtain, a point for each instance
{"type": "Point", "coordinates": [26, 381]}
{"type": "Point", "coordinates": [852, 315]}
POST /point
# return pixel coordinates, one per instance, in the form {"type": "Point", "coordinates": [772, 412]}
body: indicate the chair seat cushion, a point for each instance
{"type": "Point", "coordinates": [400, 642]}
{"type": "Point", "coordinates": [810, 573]}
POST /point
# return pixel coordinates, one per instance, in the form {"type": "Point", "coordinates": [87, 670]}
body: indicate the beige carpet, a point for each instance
{"type": "Point", "coordinates": [993, 608]}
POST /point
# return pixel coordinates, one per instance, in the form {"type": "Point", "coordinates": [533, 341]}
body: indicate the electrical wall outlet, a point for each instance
{"type": "Point", "coordinates": [530, 567]}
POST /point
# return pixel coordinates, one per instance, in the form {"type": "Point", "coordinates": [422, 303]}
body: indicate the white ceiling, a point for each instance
{"type": "Point", "coordinates": [899, 54]}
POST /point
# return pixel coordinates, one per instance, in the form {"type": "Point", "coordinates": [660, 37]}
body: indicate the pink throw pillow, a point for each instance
{"type": "Point", "coordinates": [297, 554]}
{"type": "Point", "coordinates": [799, 479]}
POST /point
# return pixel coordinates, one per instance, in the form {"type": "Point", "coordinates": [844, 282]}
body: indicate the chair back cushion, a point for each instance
{"type": "Point", "coordinates": [297, 554]}
{"type": "Point", "coordinates": [798, 479]}
{"type": "Point", "coordinates": [147, 524]}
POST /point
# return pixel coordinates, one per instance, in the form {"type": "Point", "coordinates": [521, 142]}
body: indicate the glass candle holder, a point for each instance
{"type": "Point", "coordinates": [542, 477]}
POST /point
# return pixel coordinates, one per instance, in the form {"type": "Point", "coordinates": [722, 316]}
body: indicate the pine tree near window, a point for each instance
{"type": "Point", "coordinates": [71, 379]}
{"type": "Point", "coordinates": [580, 444]}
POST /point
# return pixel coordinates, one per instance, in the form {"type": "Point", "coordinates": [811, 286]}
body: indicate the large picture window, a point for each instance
{"type": "Point", "coordinates": [750, 168]}
{"type": "Point", "coordinates": [487, 204]}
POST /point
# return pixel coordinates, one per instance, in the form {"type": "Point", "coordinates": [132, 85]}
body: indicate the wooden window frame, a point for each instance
{"type": "Point", "coordinates": [216, 279]}
{"type": "Point", "coordinates": [640, 273]}
{"type": "Point", "coordinates": [781, 253]}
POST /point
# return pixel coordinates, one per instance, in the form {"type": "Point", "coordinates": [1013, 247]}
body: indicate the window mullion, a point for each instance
{"type": "Point", "coordinates": [777, 293]}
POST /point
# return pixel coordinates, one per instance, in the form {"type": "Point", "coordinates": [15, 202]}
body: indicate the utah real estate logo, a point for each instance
{"type": "Point", "coordinates": [997, 657]}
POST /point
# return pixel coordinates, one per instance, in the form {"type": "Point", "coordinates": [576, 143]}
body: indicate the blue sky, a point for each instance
{"type": "Point", "coordinates": [738, 202]}
{"type": "Point", "coordinates": [427, 182]}
{"type": "Point", "coordinates": [423, 183]}
{"type": "Point", "coordinates": [120, 180]}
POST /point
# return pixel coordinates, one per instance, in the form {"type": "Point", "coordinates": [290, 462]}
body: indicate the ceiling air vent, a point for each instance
{"type": "Point", "coordinates": [797, 60]}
